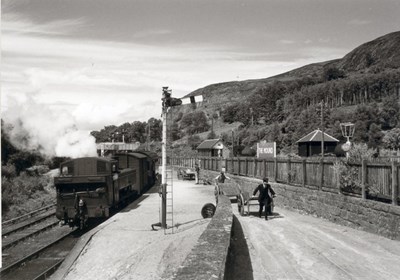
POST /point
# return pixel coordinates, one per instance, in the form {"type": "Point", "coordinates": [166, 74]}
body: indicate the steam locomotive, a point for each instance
{"type": "Point", "coordinates": [90, 187]}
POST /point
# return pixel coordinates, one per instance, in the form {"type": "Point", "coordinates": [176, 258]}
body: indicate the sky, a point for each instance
{"type": "Point", "coordinates": [102, 62]}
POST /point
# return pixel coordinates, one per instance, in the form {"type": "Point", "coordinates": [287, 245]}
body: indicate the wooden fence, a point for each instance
{"type": "Point", "coordinates": [375, 180]}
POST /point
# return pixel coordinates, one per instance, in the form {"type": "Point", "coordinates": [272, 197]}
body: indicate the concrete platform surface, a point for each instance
{"type": "Point", "coordinates": [126, 247]}
{"type": "Point", "coordinates": [294, 246]}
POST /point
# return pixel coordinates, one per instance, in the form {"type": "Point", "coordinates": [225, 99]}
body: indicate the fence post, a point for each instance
{"type": "Point", "coordinates": [233, 165]}
{"type": "Point", "coordinates": [246, 164]}
{"type": "Point", "coordinates": [364, 179]}
{"type": "Point", "coordinates": [276, 169]}
{"type": "Point", "coordinates": [321, 182]}
{"type": "Point", "coordinates": [238, 166]}
{"type": "Point", "coordinates": [304, 173]}
{"type": "Point", "coordinates": [288, 170]}
{"type": "Point", "coordinates": [264, 168]}
{"type": "Point", "coordinates": [255, 168]}
{"type": "Point", "coordinates": [395, 185]}
{"type": "Point", "coordinates": [337, 178]}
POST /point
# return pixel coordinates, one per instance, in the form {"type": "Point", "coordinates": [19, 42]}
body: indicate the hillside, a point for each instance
{"type": "Point", "coordinates": [383, 52]}
{"type": "Point", "coordinates": [284, 107]}
{"type": "Point", "coordinates": [363, 87]}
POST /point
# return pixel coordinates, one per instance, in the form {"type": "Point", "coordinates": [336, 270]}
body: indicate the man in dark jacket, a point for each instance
{"type": "Point", "coordinates": [264, 198]}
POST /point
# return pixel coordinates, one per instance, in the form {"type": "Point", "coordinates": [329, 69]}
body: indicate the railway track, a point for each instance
{"type": "Point", "coordinates": [14, 235]}
{"type": "Point", "coordinates": [24, 217]}
{"type": "Point", "coordinates": [34, 246]}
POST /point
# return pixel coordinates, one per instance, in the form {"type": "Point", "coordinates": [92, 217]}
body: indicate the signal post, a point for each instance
{"type": "Point", "coordinates": [167, 102]}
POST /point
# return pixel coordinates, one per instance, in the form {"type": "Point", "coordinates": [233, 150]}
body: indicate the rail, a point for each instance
{"type": "Point", "coordinates": [27, 215]}
{"type": "Point", "coordinates": [5, 270]}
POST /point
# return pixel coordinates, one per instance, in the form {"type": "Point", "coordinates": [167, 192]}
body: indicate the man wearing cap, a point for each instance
{"type": "Point", "coordinates": [264, 198]}
{"type": "Point", "coordinates": [222, 177]}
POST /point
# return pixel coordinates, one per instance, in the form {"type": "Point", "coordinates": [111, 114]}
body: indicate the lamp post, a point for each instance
{"type": "Point", "coordinates": [347, 132]}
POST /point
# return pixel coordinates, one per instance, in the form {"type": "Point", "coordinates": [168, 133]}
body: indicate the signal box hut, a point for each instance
{"type": "Point", "coordinates": [213, 148]}
{"type": "Point", "coordinates": [310, 144]}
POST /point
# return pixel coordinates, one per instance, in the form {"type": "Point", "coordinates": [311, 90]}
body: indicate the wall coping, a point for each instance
{"type": "Point", "coordinates": [207, 259]}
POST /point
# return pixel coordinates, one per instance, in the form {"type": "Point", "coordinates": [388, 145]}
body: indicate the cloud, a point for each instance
{"type": "Point", "coordinates": [152, 33]}
{"type": "Point", "coordinates": [98, 115]}
{"type": "Point", "coordinates": [358, 22]}
{"type": "Point", "coordinates": [324, 40]}
{"type": "Point", "coordinates": [100, 82]}
{"type": "Point", "coordinates": [16, 23]}
{"type": "Point", "coordinates": [287, 42]}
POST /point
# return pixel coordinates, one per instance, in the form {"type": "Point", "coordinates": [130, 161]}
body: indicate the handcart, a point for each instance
{"type": "Point", "coordinates": [245, 201]}
{"type": "Point", "coordinates": [186, 174]}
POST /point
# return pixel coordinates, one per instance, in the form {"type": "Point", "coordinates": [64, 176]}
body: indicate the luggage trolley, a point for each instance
{"type": "Point", "coordinates": [245, 200]}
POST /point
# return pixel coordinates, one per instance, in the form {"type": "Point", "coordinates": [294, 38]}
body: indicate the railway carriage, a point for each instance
{"type": "Point", "coordinates": [138, 162]}
{"type": "Point", "coordinates": [90, 187]}
{"type": "Point", "coordinates": [151, 166]}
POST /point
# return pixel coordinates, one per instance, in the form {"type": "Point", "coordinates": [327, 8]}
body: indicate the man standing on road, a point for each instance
{"type": "Point", "coordinates": [264, 198]}
{"type": "Point", "coordinates": [197, 169]}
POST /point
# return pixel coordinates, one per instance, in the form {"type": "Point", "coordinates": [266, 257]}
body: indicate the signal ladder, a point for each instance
{"type": "Point", "coordinates": [169, 202]}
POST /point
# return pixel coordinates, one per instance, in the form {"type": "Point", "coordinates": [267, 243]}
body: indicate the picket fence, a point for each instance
{"type": "Point", "coordinates": [375, 180]}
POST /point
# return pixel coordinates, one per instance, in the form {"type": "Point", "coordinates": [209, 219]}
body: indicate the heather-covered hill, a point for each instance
{"type": "Point", "coordinates": [378, 55]}
{"type": "Point", "coordinates": [381, 53]}
{"type": "Point", "coordinates": [286, 106]}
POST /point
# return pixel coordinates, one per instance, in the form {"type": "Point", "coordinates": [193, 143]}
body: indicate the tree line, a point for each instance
{"type": "Point", "coordinates": [286, 111]}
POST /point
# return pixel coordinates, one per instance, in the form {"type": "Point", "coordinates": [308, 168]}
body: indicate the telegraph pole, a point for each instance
{"type": "Point", "coordinates": [322, 125]}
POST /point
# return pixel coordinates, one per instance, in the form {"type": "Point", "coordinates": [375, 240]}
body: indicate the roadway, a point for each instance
{"type": "Point", "coordinates": [294, 246]}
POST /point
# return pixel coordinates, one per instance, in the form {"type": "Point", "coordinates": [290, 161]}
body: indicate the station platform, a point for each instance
{"type": "Point", "coordinates": [126, 247]}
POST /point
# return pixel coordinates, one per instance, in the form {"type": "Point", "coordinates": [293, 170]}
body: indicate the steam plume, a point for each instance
{"type": "Point", "coordinates": [36, 127]}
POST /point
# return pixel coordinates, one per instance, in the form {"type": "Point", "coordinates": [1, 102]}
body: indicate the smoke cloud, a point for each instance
{"type": "Point", "coordinates": [38, 128]}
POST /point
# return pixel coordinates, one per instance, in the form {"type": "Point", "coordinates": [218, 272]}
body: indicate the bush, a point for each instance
{"type": "Point", "coordinates": [22, 160]}
{"type": "Point", "coordinates": [194, 141]}
{"type": "Point", "coordinates": [359, 152]}
{"type": "Point", "coordinates": [25, 193]}
{"type": "Point", "coordinates": [332, 73]}
{"type": "Point", "coordinates": [8, 171]}
{"type": "Point", "coordinates": [195, 122]}
{"type": "Point", "coordinates": [347, 176]}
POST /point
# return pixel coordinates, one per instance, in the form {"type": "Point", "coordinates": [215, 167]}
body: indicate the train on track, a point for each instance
{"type": "Point", "coordinates": [90, 187]}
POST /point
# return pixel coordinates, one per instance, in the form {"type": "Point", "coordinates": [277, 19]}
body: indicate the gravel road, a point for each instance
{"type": "Point", "coordinates": [294, 246]}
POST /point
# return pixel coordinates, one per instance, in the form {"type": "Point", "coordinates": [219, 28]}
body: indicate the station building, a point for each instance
{"type": "Point", "coordinates": [213, 148]}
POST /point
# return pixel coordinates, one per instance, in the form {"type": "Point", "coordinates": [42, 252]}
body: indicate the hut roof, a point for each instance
{"type": "Point", "coordinates": [208, 144]}
{"type": "Point", "coordinates": [316, 136]}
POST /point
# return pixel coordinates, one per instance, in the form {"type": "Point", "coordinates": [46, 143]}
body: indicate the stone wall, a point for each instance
{"type": "Point", "coordinates": [371, 216]}
{"type": "Point", "coordinates": [207, 260]}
